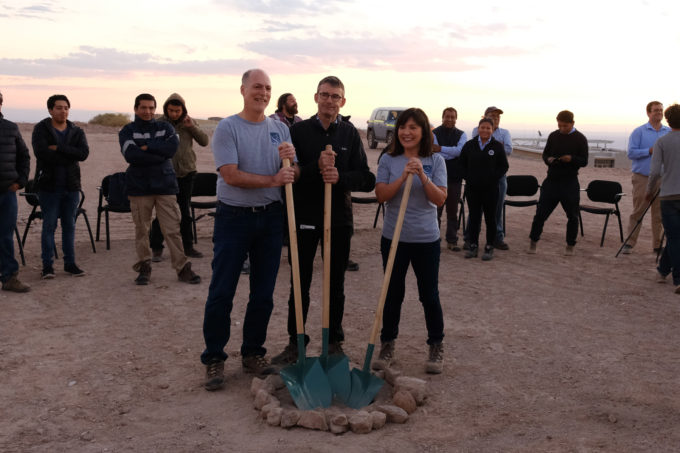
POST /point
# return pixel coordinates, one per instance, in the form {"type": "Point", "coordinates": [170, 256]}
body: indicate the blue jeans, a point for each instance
{"type": "Point", "coordinates": [424, 258]}
{"type": "Point", "coordinates": [502, 189]}
{"type": "Point", "coordinates": [670, 260]}
{"type": "Point", "coordinates": [61, 204]}
{"type": "Point", "coordinates": [238, 232]}
{"type": "Point", "coordinates": [8, 220]}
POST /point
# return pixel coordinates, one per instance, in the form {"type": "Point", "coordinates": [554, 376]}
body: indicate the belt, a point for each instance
{"type": "Point", "coordinates": [251, 208]}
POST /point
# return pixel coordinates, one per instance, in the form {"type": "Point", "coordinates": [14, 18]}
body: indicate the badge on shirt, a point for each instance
{"type": "Point", "coordinates": [275, 138]}
{"type": "Point", "coordinates": [427, 169]}
{"type": "Point", "coordinates": [491, 153]}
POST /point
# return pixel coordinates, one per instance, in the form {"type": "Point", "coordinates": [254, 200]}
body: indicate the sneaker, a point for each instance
{"type": "Point", "coordinates": [472, 251]}
{"type": "Point", "coordinates": [660, 278]}
{"type": "Point", "coordinates": [627, 249]}
{"type": "Point", "coordinates": [193, 253]}
{"type": "Point", "coordinates": [386, 357]}
{"type": "Point", "coordinates": [500, 245]}
{"type": "Point", "coordinates": [288, 356]}
{"type": "Point", "coordinates": [245, 269]}
{"type": "Point", "coordinates": [157, 256]}
{"type": "Point", "coordinates": [532, 248]}
{"type": "Point", "coordinates": [488, 253]}
{"type": "Point", "coordinates": [466, 245]}
{"type": "Point", "coordinates": [569, 250]}
{"type": "Point", "coordinates": [144, 269]}
{"type": "Point", "coordinates": [352, 266]}
{"type": "Point", "coordinates": [15, 285]}
{"type": "Point", "coordinates": [453, 246]}
{"type": "Point", "coordinates": [257, 364]}
{"type": "Point", "coordinates": [188, 276]}
{"type": "Point", "coordinates": [74, 270]}
{"type": "Point", "coordinates": [335, 348]}
{"type": "Point", "coordinates": [214, 375]}
{"type": "Point", "coordinates": [48, 273]}
{"type": "Point", "coordinates": [435, 361]}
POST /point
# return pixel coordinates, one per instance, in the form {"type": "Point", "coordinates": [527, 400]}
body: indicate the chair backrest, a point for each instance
{"type": "Point", "coordinates": [114, 189]}
{"type": "Point", "coordinates": [604, 191]}
{"type": "Point", "coordinates": [205, 185]}
{"type": "Point", "coordinates": [31, 193]}
{"type": "Point", "coordinates": [522, 185]}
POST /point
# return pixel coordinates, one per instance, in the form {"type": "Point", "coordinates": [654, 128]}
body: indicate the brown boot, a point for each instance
{"type": "Point", "coordinates": [188, 276]}
{"type": "Point", "coordinates": [144, 269]}
{"type": "Point", "coordinates": [15, 285]}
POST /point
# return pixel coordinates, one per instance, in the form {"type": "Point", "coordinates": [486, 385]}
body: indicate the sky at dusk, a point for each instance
{"type": "Point", "coordinates": [604, 60]}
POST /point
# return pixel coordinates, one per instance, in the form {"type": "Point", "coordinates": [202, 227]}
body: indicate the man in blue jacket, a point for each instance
{"type": "Point", "coordinates": [148, 146]}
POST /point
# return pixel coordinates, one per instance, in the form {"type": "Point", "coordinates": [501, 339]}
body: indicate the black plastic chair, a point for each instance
{"type": "Point", "coordinates": [112, 198]}
{"type": "Point", "coordinates": [520, 186]}
{"type": "Point", "coordinates": [32, 199]}
{"type": "Point", "coordinates": [205, 185]}
{"type": "Point", "coordinates": [600, 191]}
{"type": "Point", "coordinates": [21, 246]}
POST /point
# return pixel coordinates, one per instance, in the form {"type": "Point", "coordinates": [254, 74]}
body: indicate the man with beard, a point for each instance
{"type": "Point", "coordinates": [286, 110]}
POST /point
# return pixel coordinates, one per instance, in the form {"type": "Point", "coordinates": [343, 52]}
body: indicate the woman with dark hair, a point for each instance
{"type": "Point", "coordinates": [411, 153]}
{"type": "Point", "coordinates": [483, 162]}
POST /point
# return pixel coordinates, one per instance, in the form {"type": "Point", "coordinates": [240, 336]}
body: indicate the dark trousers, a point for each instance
{"type": "Point", "coordinates": [565, 192]}
{"type": "Point", "coordinates": [308, 240]}
{"type": "Point", "coordinates": [8, 220]}
{"type": "Point", "coordinates": [239, 232]}
{"type": "Point", "coordinates": [186, 187]}
{"type": "Point", "coordinates": [451, 205]}
{"type": "Point", "coordinates": [60, 204]}
{"type": "Point", "coordinates": [482, 200]}
{"type": "Point", "coordinates": [424, 258]}
{"type": "Point", "coordinates": [670, 260]}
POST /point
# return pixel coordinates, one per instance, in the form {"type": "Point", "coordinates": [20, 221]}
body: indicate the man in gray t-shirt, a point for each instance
{"type": "Point", "coordinates": [248, 149]}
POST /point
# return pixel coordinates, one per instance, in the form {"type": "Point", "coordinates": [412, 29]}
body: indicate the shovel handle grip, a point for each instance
{"type": "Point", "coordinates": [294, 259]}
{"type": "Point", "coordinates": [390, 259]}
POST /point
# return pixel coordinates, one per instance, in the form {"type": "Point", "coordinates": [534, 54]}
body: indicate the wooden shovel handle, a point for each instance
{"type": "Point", "coordinates": [328, 187]}
{"type": "Point", "coordinates": [390, 258]}
{"type": "Point", "coordinates": [294, 260]}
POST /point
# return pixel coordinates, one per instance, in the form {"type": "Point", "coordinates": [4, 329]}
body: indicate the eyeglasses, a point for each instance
{"type": "Point", "coordinates": [335, 97]}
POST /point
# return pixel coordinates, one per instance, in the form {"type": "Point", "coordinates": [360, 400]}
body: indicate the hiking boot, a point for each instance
{"type": "Point", "coordinates": [74, 270]}
{"type": "Point", "coordinates": [288, 356]}
{"type": "Point", "coordinates": [352, 266]}
{"type": "Point", "coordinates": [214, 375]}
{"type": "Point", "coordinates": [466, 245]}
{"type": "Point", "coordinates": [257, 364]}
{"type": "Point", "coordinates": [472, 251]}
{"type": "Point", "coordinates": [569, 250]}
{"type": "Point", "coordinates": [15, 285]}
{"type": "Point", "coordinates": [157, 256]}
{"type": "Point", "coordinates": [188, 276]}
{"type": "Point", "coordinates": [488, 253]}
{"type": "Point", "coordinates": [386, 357]}
{"type": "Point", "coordinates": [144, 269]}
{"type": "Point", "coordinates": [532, 248]}
{"type": "Point", "coordinates": [501, 245]}
{"type": "Point", "coordinates": [193, 253]}
{"type": "Point", "coordinates": [627, 249]}
{"type": "Point", "coordinates": [453, 246]}
{"type": "Point", "coordinates": [47, 273]}
{"type": "Point", "coordinates": [335, 348]}
{"type": "Point", "coordinates": [659, 277]}
{"type": "Point", "coordinates": [435, 361]}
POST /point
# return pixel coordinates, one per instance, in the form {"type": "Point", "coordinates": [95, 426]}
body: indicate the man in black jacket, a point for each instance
{"type": "Point", "coordinates": [14, 169]}
{"type": "Point", "coordinates": [347, 169]}
{"type": "Point", "coordinates": [59, 145]}
{"type": "Point", "coordinates": [566, 150]}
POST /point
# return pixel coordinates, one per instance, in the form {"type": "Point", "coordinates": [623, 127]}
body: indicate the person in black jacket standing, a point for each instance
{"type": "Point", "coordinates": [14, 169]}
{"type": "Point", "coordinates": [59, 146]}
{"type": "Point", "coordinates": [483, 162]}
{"type": "Point", "coordinates": [347, 169]}
{"type": "Point", "coordinates": [566, 150]}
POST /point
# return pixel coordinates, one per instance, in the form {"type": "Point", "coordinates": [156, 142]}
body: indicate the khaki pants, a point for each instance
{"type": "Point", "coordinates": [639, 206]}
{"type": "Point", "coordinates": [168, 216]}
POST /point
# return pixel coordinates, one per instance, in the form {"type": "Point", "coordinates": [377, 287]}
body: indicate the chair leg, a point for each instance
{"type": "Point", "coordinates": [106, 222]}
{"type": "Point", "coordinates": [193, 224]}
{"type": "Point", "coordinates": [604, 231]}
{"type": "Point", "coordinates": [618, 216]}
{"type": "Point", "coordinates": [99, 218]}
{"type": "Point", "coordinates": [377, 213]}
{"type": "Point", "coordinates": [580, 221]}
{"type": "Point", "coordinates": [89, 230]}
{"type": "Point", "coordinates": [28, 226]}
{"type": "Point", "coordinates": [21, 246]}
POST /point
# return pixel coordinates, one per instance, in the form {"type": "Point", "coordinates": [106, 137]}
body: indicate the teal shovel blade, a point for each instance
{"type": "Point", "coordinates": [365, 385]}
{"type": "Point", "coordinates": [306, 381]}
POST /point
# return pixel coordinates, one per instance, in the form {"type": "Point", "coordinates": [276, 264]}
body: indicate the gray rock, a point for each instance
{"type": "Point", "coordinates": [379, 419]}
{"type": "Point", "coordinates": [394, 414]}
{"type": "Point", "coordinates": [361, 422]}
{"type": "Point", "coordinates": [339, 424]}
{"type": "Point", "coordinates": [417, 387]}
{"type": "Point", "coordinates": [268, 407]}
{"type": "Point", "coordinates": [290, 418]}
{"type": "Point", "coordinates": [256, 385]}
{"type": "Point", "coordinates": [262, 398]}
{"type": "Point", "coordinates": [313, 420]}
{"type": "Point", "coordinates": [391, 375]}
{"type": "Point", "coordinates": [275, 381]}
{"type": "Point", "coordinates": [274, 416]}
{"type": "Point", "coordinates": [405, 400]}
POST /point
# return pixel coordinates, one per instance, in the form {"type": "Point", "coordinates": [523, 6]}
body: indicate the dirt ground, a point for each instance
{"type": "Point", "coordinates": [543, 352]}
